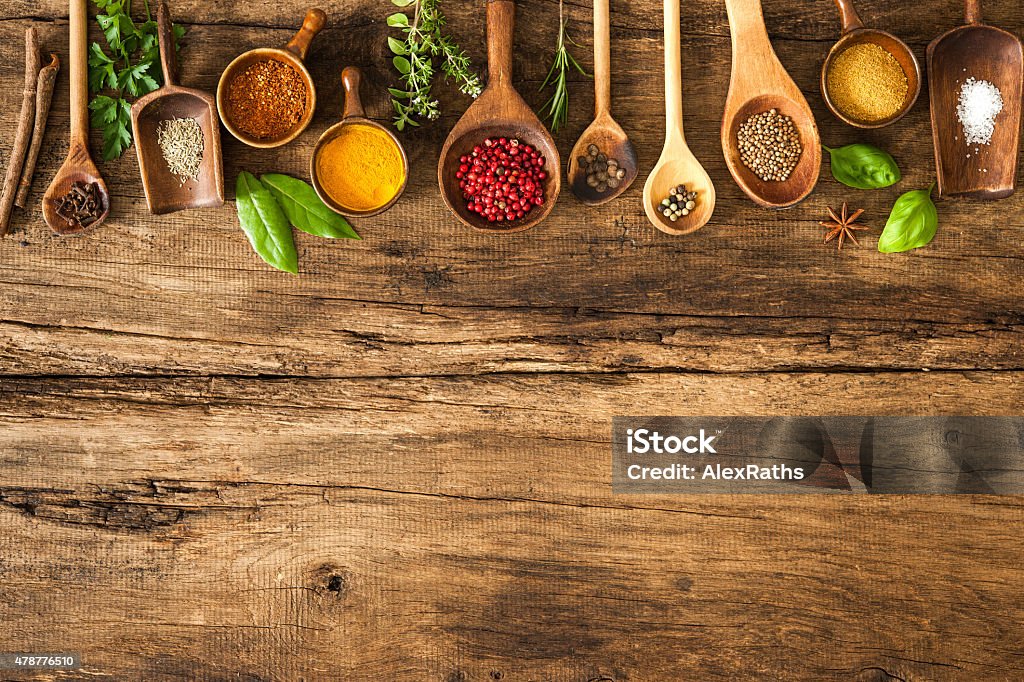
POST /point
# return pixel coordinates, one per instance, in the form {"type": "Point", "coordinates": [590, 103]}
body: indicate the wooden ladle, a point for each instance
{"type": "Point", "coordinates": [79, 166]}
{"type": "Point", "coordinates": [854, 33]}
{"type": "Point", "coordinates": [498, 112]}
{"type": "Point", "coordinates": [983, 53]}
{"type": "Point", "coordinates": [759, 82]}
{"type": "Point", "coordinates": [355, 115]}
{"type": "Point", "coordinates": [293, 54]}
{"type": "Point", "coordinates": [677, 165]}
{"type": "Point", "coordinates": [607, 135]}
{"type": "Point", "coordinates": [165, 192]}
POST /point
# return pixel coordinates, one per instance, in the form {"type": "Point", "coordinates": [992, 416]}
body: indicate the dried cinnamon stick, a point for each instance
{"type": "Point", "coordinates": [44, 97]}
{"type": "Point", "coordinates": [21, 138]}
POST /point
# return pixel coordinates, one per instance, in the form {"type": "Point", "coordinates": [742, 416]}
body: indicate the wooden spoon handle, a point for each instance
{"type": "Point", "coordinates": [673, 73]}
{"type": "Point", "coordinates": [972, 11]}
{"type": "Point", "coordinates": [753, 59]}
{"type": "Point", "coordinates": [314, 22]}
{"type": "Point", "coordinates": [602, 58]}
{"type": "Point", "coordinates": [351, 78]}
{"type": "Point", "coordinates": [501, 17]}
{"type": "Point", "coordinates": [848, 13]}
{"type": "Point", "coordinates": [79, 73]}
{"type": "Point", "coordinates": [165, 34]}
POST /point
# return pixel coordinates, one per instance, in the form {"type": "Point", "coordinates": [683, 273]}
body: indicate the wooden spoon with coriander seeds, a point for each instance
{"type": "Point", "coordinates": [603, 136]}
{"type": "Point", "coordinates": [78, 170]}
{"type": "Point", "coordinates": [677, 165]}
{"type": "Point", "coordinates": [499, 111]}
{"type": "Point", "coordinates": [165, 191]}
{"type": "Point", "coordinates": [995, 60]}
{"type": "Point", "coordinates": [759, 85]}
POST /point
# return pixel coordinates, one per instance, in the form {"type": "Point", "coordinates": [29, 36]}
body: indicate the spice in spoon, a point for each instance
{"type": "Point", "coordinates": [769, 145]}
{"type": "Point", "coordinates": [361, 168]}
{"type": "Point", "coordinates": [267, 100]}
{"type": "Point", "coordinates": [81, 206]}
{"type": "Point", "coordinates": [502, 179]}
{"type": "Point", "coordinates": [866, 83]}
{"type": "Point", "coordinates": [980, 103]}
{"type": "Point", "coordinates": [678, 204]}
{"type": "Point", "coordinates": [182, 144]}
{"type": "Point", "coordinates": [603, 173]}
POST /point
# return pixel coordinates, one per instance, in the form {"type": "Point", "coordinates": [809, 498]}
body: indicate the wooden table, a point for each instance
{"type": "Point", "coordinates": [396, 466]}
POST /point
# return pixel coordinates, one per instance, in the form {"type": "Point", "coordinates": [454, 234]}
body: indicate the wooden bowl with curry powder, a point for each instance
{"type": "Point", "coordinates": [266, 97]}
{"type": "Point", "coordinates": [359, 168]}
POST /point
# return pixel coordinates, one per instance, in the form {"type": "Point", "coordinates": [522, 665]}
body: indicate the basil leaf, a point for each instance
{"type": "Point", "coordinates": [864, 167]}
{"type": "Point", "coordinates": [305, 210]}
{"type": "Point", "coordinates": [265, 224]}
{"type": "Point", "coordinates": [912, 223]}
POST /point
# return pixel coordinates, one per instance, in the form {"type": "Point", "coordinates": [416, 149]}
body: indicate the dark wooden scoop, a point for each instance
{"type": "Point", "coordinates": [984, 53]}
{"type": "Point", "coordinates": [165, 192]}
{"type": "Point", "coordinates": [499, 111]}
{"type": "Point", "coordinates": [79, 166]}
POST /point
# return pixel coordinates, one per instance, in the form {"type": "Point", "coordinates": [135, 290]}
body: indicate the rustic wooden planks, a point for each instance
{"type": "Point", "coordinates": [395, 467]}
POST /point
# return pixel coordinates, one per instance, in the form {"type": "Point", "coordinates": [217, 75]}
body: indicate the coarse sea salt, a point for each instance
{"type": "Point", "coordinates": [980, 103]}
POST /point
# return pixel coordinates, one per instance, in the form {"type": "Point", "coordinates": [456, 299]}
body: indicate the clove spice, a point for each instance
{"type": "Point", "coordinates": [81, 206]}
{"type": "Point", "coordinates": [44, 97]}
{"type": "Point", "coordinates": [23, 135]}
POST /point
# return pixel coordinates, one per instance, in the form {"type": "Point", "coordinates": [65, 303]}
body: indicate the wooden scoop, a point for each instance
{"type": "Point", "coordinates": [498, 112]}
{"type": "Point", "coordinates": [354, 114]}
{"type": "Point", "coordinates": [78, 167]}
{"type": "Point", "coordinates": [854, 33]}
{"type": "Point", "coordinates": [604, 132]}
{"type": "Point", "coordinates": [983, 53]}
{"type": "Point", "coordinates": [293, 54]}
{"type": "Point", "coordinates": [677, 165]}
{"type": "Point", "coordinates": [165, 193]}
{"type": "Point", "coordinates": [759, 83]}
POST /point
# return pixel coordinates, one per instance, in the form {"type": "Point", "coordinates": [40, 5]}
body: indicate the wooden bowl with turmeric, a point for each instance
{"type": "Point", "coordinates": [266, 97]}
{"type": "Point", "coordinates": [359, 168]}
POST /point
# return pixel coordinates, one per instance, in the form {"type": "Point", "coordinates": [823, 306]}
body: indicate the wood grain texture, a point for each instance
{"type": "Point", "coordinates": [396, 466]}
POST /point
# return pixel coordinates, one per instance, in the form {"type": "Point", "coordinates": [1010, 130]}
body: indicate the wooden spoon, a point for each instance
{"type": "Point", "coordinates": [677, 165]}
{"type": "Point", "coordinates": [984, 53]}
{"type": "Point", "coordinates": [165, 193]}
{"type": "Point", "coordinates": [498, 112]}
{"type": "Point", "coordinates": [354, 115]}
{"type": "Point", "coordinates": [854, 33]}
{"type": "Point", "coordinates": [604, 132]}
{"type": "Point", "coordinates": [78, 167]}
{"type": "Point", "coordinates": [293, 54]}
{"type": "Point", "coordinates": [759, 82]}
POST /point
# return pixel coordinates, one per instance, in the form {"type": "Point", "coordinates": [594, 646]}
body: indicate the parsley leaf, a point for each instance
{"type": "Point", "coordinates": [128, 68]}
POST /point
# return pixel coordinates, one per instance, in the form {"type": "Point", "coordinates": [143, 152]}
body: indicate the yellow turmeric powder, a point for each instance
{"type": "Point", "coordinates": [361, 169]}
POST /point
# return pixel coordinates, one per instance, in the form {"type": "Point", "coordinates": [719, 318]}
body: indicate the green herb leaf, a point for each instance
{"type": "Point", "coordinates": [398, 20]}
{"type": "Point", "coordinates": [402, 3]}
{"type": "Point", "coordinates": [402, 64]}
{"type": "Point", "coordinates": [304, 208]}
{"type": "Point", "coordinates": [863, 166]}
{"type": "Point", "coordinates": [397, 46]}
{"type": "Point", "coordinates": [912, 223]}
{"type": "Point", "coordinates": [130, 70]}
{"type": "Point", "coordinates": [265, 224]}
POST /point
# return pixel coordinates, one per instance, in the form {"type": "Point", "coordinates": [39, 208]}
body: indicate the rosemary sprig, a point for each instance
{"type": "Point", "coordinates": [414, 61]}
{"type": "Point", "coordinates": [557, 107]}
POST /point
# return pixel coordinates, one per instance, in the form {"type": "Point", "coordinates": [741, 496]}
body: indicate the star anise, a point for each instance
{"type": "Point", "coordinates": [843, 225]}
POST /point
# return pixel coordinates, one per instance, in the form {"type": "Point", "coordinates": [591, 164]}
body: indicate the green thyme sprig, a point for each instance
{"type": "Point", "coordinates": [414, 60]}
{"type": "Point", "coordinates": [128, 71]}
{"type": "Point", "coordinates": [557, 108]}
